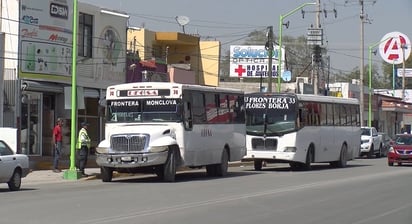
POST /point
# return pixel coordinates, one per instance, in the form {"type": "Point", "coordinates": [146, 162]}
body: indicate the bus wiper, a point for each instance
{"type": "Point", "coordinates": [265, 124]}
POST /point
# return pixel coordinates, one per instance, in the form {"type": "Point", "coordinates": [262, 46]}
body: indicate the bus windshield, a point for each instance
{"type": "Point", "coordinates": [270, 115]}
{"type": "Point", "coordinates": [143, 110]}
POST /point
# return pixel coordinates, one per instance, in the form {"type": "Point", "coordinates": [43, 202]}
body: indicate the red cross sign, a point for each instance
{"type": "Point", "coordinates": [240, 70]}
{"type": "Point", "coordinates": [395, 47]}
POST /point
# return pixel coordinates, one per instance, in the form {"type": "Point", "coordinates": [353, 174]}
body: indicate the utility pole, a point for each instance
{"type": "Point", "coordinates": [361, 92]}
{"type": "Point", "coordinates": [317, 50]}
{"type": "Point", "coordinates": [315, 38]}
{"type": "Point", "coordinates": [403, 71]}
{"type": "Point", "coordinates": [269, 48]}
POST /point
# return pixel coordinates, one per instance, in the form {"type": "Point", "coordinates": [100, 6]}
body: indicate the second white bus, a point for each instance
{"type": "Point", "coordinates": [158, 127]}
{"type": "Point", "coordinates": [301, 129]}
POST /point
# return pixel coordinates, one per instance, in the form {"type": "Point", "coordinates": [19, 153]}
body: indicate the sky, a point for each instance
{"type": "Point", "coordinates": [230, 21]}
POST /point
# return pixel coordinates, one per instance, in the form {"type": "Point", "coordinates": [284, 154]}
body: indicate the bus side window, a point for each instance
{"type": "Point", "coordinates": [187, 119]}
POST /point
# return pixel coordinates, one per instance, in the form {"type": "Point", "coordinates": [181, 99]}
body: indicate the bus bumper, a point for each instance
{"type": "Point", "coordinates": [131, 160]}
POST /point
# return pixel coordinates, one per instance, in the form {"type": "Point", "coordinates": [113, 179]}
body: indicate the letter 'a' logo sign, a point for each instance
{"type": "Point", "coordinates": [395, 47]}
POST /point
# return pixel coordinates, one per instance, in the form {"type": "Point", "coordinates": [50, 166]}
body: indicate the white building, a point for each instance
{"type": "Point", "coordinates": [38, 66]}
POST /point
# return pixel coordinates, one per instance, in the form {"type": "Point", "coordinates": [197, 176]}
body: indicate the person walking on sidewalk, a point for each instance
{"type": "Point", "coordinates": [57, 143]}
{"type": "Point", "coordinates": [83, 146]}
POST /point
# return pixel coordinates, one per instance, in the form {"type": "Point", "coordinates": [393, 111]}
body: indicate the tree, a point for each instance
{"type": "Point", "coordinates": [379, 81]}
{"type": "Point", "coordinates": [388, 73]}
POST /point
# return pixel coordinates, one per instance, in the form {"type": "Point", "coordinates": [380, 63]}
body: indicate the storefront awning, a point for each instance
{"type": "Point", "coordinates": [396, 106]}
{"type": "Point", "coordinates": [36, 86]}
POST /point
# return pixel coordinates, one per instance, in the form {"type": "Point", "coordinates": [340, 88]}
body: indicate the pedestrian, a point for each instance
{"type": "Point", "coordinates": [83, 146]}
{"type": "Point", "coordinates": [57, 143]}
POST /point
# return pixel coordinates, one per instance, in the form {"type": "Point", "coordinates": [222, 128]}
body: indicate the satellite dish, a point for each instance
{"type": "Point", "coordinates": [183, 21]}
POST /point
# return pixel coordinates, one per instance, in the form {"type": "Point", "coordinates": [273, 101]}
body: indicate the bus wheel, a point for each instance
{"type": "Point", "coordinates": [258, 164]}
{"type": "Point", "coordinates": [221, 169]}
{"type": "Point", "coordinates": [342, 162]}
{"type": "Point", "coordinates": [294, 165]}
{"type": "Point", "coordinates": [309, 159]}
{"type": "Point", "coordinates": [169, 168]}
{"type": "Point", "coordinates": [106, 173]}
{"type": "Point", "coordinates": [211, 170]}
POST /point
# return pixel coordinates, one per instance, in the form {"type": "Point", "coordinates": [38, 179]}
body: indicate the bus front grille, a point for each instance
{"type": "Point", "coordinates": [264, 144]}
{"type": "Point", "coordinates": [128, 142]}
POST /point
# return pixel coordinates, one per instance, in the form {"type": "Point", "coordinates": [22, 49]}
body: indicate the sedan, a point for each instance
{"type": "Point", "coordinates": [401, 150]}
{"type": "Point", "coordinates": [13, 166]}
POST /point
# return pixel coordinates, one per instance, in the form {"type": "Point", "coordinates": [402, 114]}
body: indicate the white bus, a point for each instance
{"type": "Point", "coordinates": [301, 129]}
{"type": "Point", "coordinates": [158, 127]}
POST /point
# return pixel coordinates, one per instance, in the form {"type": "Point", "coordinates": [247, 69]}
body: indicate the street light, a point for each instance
{"type": "Point", "coordinates": [281, 17]}
{"type": "Point", "coordinates": [370, 80]}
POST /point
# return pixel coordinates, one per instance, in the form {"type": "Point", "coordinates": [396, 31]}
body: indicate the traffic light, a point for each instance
{"type": "Point", "coordinates": [317, 58]}
{"type": "Point", "coordinates": [317, 54]}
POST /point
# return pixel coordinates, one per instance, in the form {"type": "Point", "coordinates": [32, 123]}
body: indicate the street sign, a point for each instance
{"type": "Point", "coordinates": [314, 36]}
{"type": "Point", "coordinates": [408, 72]}
{"type": "Point", "coordinates": [395, 47]}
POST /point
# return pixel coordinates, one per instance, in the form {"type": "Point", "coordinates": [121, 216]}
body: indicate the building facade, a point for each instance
{"type": "Point", "coordinates": [39, 62]}
{"type": "Point", "coordinates": [180, 57]}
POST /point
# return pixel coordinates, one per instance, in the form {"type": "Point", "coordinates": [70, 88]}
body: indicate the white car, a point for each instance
{"type": "Point", "coordinates": [13, 167]}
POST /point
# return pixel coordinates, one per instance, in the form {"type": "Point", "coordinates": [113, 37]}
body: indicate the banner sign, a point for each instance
{"type": "Point", "coordinates": [251, 61]}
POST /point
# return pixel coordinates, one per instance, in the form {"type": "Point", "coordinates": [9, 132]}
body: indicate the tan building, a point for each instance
{"type": "Point", "coordinates": [188, 59]}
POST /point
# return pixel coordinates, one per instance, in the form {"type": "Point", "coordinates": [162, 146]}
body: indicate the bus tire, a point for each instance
{"type": "Point", "coordinates": [106, 174]}
{"type": "Point", "coordinates": [211, 170]}
{"type": "Point", "coordinates": [309, 159]}
{"type": "Point", "coordinates": [258, 164]}
{"type": "Point", "coordinates": [342, 162]}
{"type": "Point", "coordinates": [169, 168]}
{"type": "Point", "coordinates": [295, 165]}
{"type": "Point", "coordinates": [221, 169]}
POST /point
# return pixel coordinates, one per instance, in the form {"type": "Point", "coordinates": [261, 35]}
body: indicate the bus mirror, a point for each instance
{"type": "Point", "coordinates": [188, 123]}
{"type": "Point", "coordinates": [102, 102]}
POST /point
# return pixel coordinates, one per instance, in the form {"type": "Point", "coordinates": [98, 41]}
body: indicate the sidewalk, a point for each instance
{"type": "Point", "coordinates": [48, 176]}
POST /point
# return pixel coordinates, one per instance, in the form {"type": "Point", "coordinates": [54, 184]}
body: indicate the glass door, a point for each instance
{"type": "Point", "coordinates": [31, 123]}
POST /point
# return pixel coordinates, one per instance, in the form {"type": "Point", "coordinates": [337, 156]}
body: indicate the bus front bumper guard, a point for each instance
{"type": "Point", "coordinates": [131, 160]}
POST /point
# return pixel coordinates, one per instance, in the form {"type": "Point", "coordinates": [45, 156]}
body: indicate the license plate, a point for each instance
{"type": "Point", "coordinates": [126, 158]}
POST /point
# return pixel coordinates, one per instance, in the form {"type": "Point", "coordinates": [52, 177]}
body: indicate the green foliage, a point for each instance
{"type": "Point", "coordinates": [388, 72]}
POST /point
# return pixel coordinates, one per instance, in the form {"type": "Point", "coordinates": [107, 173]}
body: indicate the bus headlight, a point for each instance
{"type": "Point", "coordinates": [290, 149]}
{"type": "Point", "coordinates": [158, 148]}
{"type": "Point", "coordinates": [102, 150]}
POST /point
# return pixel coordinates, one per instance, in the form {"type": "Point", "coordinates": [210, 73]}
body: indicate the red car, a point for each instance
{"type": "Point", "coordinates": [401, 150]}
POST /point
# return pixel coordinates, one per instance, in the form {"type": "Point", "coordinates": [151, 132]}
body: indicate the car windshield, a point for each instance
{"type": "Point", "coordinates": [403, 140]}
{"type": "Point", "coordinates": [366, 131]}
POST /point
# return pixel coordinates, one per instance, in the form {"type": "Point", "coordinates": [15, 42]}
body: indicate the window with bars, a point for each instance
{"type": "Point", "coordinates": [85, 35]}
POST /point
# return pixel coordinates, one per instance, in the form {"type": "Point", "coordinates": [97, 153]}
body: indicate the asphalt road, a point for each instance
{"type": "Point", "coordinates": [366, 192]}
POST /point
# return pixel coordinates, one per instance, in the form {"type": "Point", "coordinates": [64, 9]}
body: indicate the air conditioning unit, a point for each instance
{"type": "Point", "coordinates": [302, 79]}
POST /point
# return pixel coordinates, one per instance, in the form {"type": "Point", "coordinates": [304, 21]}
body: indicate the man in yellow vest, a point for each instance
{"type": "Point", "coordinates": [82, 146]}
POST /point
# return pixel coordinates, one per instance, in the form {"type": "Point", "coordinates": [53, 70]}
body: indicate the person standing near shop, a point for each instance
{"type": "Point", "coordinates": [57, 143]}
{"type": "Point", "coordinates": [83, 146]}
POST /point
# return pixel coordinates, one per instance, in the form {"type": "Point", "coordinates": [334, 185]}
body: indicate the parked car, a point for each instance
{"type": "Point", "coordinates": [401, 150]}
{"type": "Point", "coordinates": [13, 166]}
{"type": "Point", "coordinates": [371, 142]}
{"type": "Point", "coordinates": [386, 143]}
